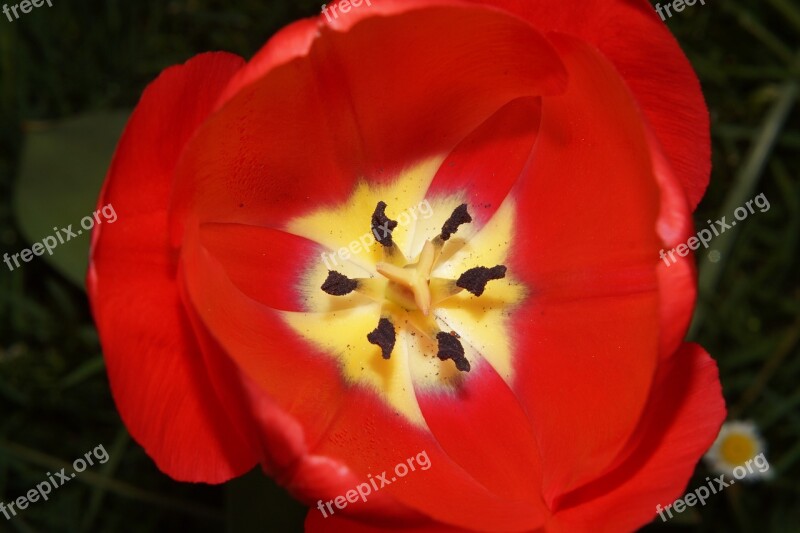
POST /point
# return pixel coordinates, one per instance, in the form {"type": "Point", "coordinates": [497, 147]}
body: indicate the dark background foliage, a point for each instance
{"type": "Point", "coordinates": [94, 57]}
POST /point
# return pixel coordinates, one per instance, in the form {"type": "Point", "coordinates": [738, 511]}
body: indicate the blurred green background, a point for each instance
{"type": "Point", "coordinates": [70, 73]}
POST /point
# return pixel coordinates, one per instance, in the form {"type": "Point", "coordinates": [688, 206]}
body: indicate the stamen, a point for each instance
{"type": "Point", "coordinates": [382, 226]}
{"type": "Point", "coordinates": [450, 348]}
{"type": "Point", "coordinates": [442, 289]}
{"type": "Point", "coordinates": [459, 216]}
{"type": "Point", "coordinates": [338, 284]}
{"type": "Point", "coordinates": [383, 336]}
{"type": "Point", "coordinates": [475, 279]}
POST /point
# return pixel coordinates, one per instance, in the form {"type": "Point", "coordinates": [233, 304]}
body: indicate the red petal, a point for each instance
{"type": "Point", "coordinates": [677, 280]}
{"type": "Point", "coordinates": [265, 348]}
{"type": "Point", "coordinates": [363, 105]}
{"type": "Point", "coordinates": [681, 422]}
{"type": "Point", "coordinates": [276, 436]}
{"type": "Point", "coordinates": [488, 162]}
{"type": "Point", "coordinates": [587, 337]}
{"type": "Point", "coordinates": [345, 423]}
{"type": "Point", "coordinates": [474, 423]}
{"type": "Point", "coordinates": [163, 390]}
{"type": "Point", "coordinates": [263, 263]}
{"type": "Point", "coordinates": [318, 479]}
{"type": "Point", "coordinates": [288, 43]}
{"type": "Point", "coordinates": [281, 440]}
{"type": "Point", "coordinates": [372, 439]}
{"type": "Point", "coordinates": [646, 55]}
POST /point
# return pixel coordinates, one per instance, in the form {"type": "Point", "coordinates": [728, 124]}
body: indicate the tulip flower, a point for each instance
{"type": "Point", "coordinates": [525, 336]}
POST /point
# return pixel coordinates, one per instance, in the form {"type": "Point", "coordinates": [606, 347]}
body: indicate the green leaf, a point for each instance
{"type": "Point", "coordinates": [61, 172]}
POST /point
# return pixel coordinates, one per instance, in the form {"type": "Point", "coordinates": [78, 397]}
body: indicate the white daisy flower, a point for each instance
{"type": "Point", "coordinates": [739, 452]}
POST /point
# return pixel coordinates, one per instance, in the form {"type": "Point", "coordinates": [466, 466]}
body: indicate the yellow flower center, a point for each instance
{"type": "Point", "coordinates": [410, 287]}
{"type": "Point", "coordinates": [395, 325]}
{"type": "Point", "coordinates": [736, 449]}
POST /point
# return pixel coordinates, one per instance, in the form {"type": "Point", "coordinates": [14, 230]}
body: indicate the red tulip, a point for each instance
{"type": "Point", "coordinates": [522, 333]}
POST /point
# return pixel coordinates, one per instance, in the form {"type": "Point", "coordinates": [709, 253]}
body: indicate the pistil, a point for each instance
{"type": "Point", "coordinates": [415, 277]}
